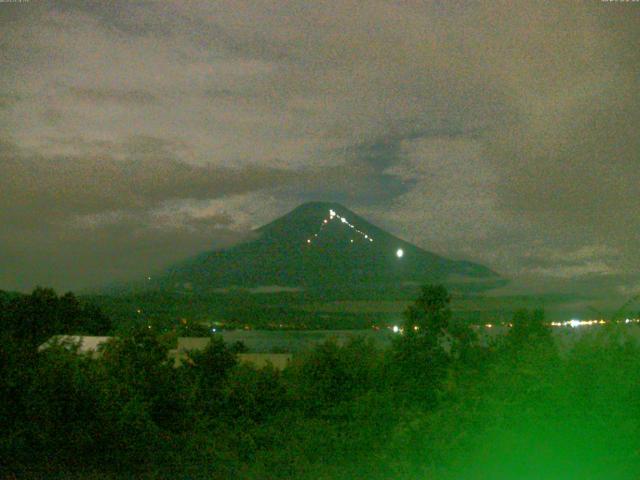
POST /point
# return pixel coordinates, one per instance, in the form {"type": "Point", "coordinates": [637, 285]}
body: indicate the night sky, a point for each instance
{"type": "Point", "coordinates": [136, 134]}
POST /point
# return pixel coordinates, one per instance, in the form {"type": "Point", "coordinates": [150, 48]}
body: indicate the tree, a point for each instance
{"type": "Point", "coordinates": [207, 371]}
{"type": "Point", "coordinates": [430, 314]}
{"type": "Point", "coordinates": [419, 359]}
{"type": "Point", "coordinates": [34, 318]}
{"type": "Point", "coordinates": [212, 364]}
{"type": "Point", "coordinates": [529, 327]}
{"type": "Point", "coordinates": [331, 373]}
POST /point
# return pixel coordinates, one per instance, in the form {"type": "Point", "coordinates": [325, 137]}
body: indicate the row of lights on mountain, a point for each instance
{"type": "Point", "coordinates": [333, 214]}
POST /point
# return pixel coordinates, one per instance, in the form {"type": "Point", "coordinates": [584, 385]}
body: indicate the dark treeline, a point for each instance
{"type": "Point", "coordinates": [233, 310]}
{"type": "Point", "coordinates": [435, 405]}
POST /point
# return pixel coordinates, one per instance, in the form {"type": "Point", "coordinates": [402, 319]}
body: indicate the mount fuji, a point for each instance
{"type": "Point", "coordinates": [326, 249]}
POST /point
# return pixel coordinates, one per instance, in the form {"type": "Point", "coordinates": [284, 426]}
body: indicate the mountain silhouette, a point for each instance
{"type": "Point", "coordinates": [323, 247]}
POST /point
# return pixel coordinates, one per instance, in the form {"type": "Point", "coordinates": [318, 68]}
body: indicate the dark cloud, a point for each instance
{"type": "Point", "coordinates": [7, 100]}
{"type": "Point", "coordinates": [39, 189]}
{"type": "Point", "coordinates": [135, 18]}
{"type": "Point", "coordinates": [127, 247]}
{"type": "Point", "coordinates": [217, 220]}
{"type": "Point", "coordinates": [139, 97]}
{"type": "Point", "coordinates": [503, 133]}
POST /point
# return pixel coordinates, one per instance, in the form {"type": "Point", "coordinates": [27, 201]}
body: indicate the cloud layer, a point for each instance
{"type": "Point", "coordinates": [496, 131]}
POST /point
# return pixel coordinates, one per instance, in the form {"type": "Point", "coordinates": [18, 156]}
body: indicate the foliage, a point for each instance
{"type": "Point", "coordinates": [431, 312]}
{"type": "Point", "coordinates": [35, 317]}
{"type": "Point", "coordinates": [529, 328]}
{"type": "Point", "coordinates": [439, 408]}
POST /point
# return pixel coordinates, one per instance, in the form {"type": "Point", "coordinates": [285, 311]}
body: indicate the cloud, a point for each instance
{"type": "Point", "coordinates": [87, 254]}
{"type": "Point", "coordinates": [572, 271]}
{"type": "Point", "coordinates": [39, 189]}
{"type": "Point", "coordinates": [74, 222]}
{"type": "Point", "coordinates": [503, 133]}
{"type": "Point", "coordinates": [139, 97]}
{"type": "Point", "coordinates": [7, 100]}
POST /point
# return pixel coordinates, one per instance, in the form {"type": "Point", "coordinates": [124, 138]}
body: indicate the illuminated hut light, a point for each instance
{"type": "Point", "coordinates": [399, 253]}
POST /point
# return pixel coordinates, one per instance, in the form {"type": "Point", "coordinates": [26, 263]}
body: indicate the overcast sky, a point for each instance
{"type": "Point", "coordinates": [136, 134]}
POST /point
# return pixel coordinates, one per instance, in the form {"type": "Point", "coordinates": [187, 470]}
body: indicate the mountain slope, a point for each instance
{"type": "Point", "coordinates": [323, 247]}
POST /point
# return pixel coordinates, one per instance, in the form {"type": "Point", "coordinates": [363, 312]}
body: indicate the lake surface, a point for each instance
{"type": "Point", "coordinates": [268, 341]}
{"type": "Point", "coordinates": [299, 340]}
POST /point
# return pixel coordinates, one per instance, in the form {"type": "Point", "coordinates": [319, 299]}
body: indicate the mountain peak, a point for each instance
{"type": "Point", "coordinates": [324, 247]}
{"type": "Point", "coordinates": [314, 207]}
{"type": "Point", "coordinates": [304, 219]}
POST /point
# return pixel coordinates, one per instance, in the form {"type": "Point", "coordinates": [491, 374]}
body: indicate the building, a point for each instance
{"type": "Point", "coordinates": [91, 345]}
